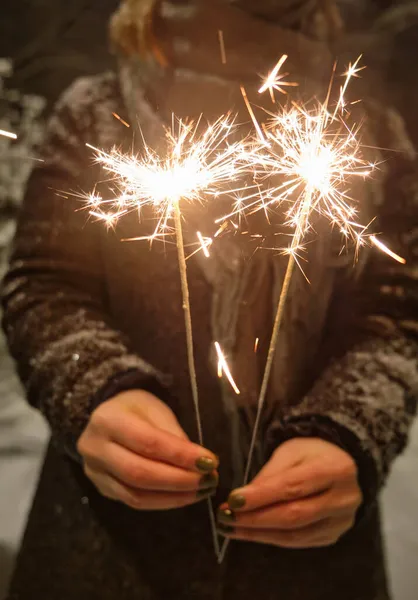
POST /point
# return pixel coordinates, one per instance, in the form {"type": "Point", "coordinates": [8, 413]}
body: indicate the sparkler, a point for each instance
{"type": "Point", "coordinates": [195, 164]}
{"type": "Point", "coordinates": [314, 152]}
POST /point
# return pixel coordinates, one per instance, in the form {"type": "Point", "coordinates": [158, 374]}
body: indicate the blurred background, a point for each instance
{"type": "Point", "coordinates": [44, 45]}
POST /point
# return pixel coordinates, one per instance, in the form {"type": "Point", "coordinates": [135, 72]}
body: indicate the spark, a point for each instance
{"type": "Point", "coordinates": [109, 218]}
{"type": "Point", "coordinates": [257, 341]}
{"type": "Point", "coordinates": [119, 118]}
{"type": "Point", "coordinates": [221, 229]}
{"type": "Point", "coordinates": [386, 250]}
{"type": "Point", "coordinates": [195, 164]}
{"type": "Point", "coordinates": [251, 113]}
{"type": "Point", "coordinates": [204, 243]}
{"type": "Point", "coordinates": [313, 155]}
{"type": "Point", "coordinates": [274, 80]}
{"type": "Point", "coordinates": [352, 71]}
{"type": "Point", "coordinates": [223, 368]}
{"type": "Point", "coordinates": [222, 46]}
{"type": "Point", "coordinates": [8, 134]}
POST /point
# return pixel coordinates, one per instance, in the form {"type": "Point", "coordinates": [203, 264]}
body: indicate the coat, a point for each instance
{"type": "Point", "coordinates": [87, 316]}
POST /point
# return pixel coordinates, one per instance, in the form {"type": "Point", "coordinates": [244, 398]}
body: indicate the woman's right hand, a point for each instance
{"type": "Point", "coordinates": [135, 451]}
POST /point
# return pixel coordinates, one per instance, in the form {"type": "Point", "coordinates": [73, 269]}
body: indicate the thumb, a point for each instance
{"type": "Point", "coordinates": [154, 411]}
{"type": "Point", "coordinates": [288, 455]}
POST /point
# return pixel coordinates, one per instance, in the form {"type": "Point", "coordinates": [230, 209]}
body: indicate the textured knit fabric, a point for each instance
{"type": "Point", "coordinates": [85, 313]}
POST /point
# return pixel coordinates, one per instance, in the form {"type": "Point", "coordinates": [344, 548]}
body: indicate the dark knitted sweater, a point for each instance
{"type": "Point", "coordinates": [85, 313]}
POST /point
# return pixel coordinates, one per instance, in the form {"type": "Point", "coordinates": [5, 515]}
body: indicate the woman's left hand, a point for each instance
{"type": "Point", "coordinates": [306, 496]}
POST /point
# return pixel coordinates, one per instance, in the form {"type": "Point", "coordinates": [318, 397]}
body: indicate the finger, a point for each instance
{"type": "Point", "coordinates": [146, 474]}
{"type": "Point", "coordinates": [113, 489]}
{"type": "Point", "coordinates": [145, 439]}
{"type": "Point", "coordinates": [300, 482]}
{"type": "Point", "coordinates": [286, 515]}
{"type": "Point", "coordinates": [324, 533]}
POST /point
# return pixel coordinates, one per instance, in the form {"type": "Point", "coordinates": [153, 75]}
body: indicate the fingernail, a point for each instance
{"type": "Point", "coordinates": [203, 494]}
{"type": "Point", "coordinates": [236, 501]}
{"type": "Point", "coordinates": [225, 529]}
{"type": "Point", "coordinates": [209, 480]}
{"type": "Point", "coordinates": [225, 515]}
{"type": "Point", "coordinates": [205, 464]}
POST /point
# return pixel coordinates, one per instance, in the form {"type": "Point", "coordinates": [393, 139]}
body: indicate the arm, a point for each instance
{"type": "Point", "coordinates": [54, 296]}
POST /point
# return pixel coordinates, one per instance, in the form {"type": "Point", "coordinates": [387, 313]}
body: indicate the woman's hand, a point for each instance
{"type": "Point", "coordinates": [306, 496]}
{"type": "Point", "coordinates": [135, 451]}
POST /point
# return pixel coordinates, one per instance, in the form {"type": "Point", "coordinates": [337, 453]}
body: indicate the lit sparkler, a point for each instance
{"type": "Point", "coordinates": [314, 153]}
{"type": "Point", "coordinates": [195, 164]}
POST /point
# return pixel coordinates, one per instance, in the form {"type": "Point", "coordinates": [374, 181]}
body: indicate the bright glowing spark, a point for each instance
{"type": "Point", "coordinates": [109, 218]}
{"type": "Point", "coordinates": [196, 164]}
{"type": "Point", "coordinates": [119, 118]}
{"type": "Point", "coordinates": [313, 155]}
{"type": "Point", "coordinates": [386, 250]}
{"type": "Point", "coordinates": [274, 80]}
{"type": "Point", "coordinates": [221, 229]}
{"type": "Point", "coordinates": [204, 243]}
{"type": "Point", "coordinates": [352, 71]}
{"type": "Point", "coordinates": [257, 341]}
{"type": "Point", "coordinates": [223, 368]}
{"type": "Point", "coordinates": [252, 115]}
{"type": "Point", "coordinates": [8, 134]}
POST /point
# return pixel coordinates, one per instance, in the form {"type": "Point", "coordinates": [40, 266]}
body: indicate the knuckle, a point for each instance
{"type": "Point", "coordinates": [176, 456]}
{"type": "Point", "coordinates": [150, 446]}
{"type": "Point", "coordinates": [347, 468]}
{"type": "Point", "coordinates": [351, 502]}
{"type": "Point", "coordinates": [294, 513]}
{"type": "Point", "coordinates": [294, 489]}
{"type": "Point", "coordinates": [133, 473]}
{"type": "Point", "coordinates": [99, 420]}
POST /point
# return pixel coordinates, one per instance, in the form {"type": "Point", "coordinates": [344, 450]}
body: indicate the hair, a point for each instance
{"type": "Point", "coordinates": [130, 26]}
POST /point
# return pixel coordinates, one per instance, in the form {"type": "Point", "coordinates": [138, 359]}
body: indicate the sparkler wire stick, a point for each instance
{"type": "Point", "coordinates": [190, 351]}
{"type": "Point", "coordinates": [274, 337]}
{"type": "Point", "coordinates": [277, 325]}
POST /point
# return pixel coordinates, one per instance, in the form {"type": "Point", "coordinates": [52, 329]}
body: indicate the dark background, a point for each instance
{"type": "Point", "coordinates": [53, 41]}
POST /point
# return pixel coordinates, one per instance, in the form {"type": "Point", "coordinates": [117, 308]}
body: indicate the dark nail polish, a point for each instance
{"type": "Point", "coordinates": [205, 464]}
{"type": "Point", "coordinates": [226, 515]}
{"type": "Point", "coordinates": [203, 494]}
{"type": "Point", "coordinates": [209, 480]}
{"type": "Point", "coordinates": [225, 529]}
{"type": "Point", "coordinates": [236, 501]}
